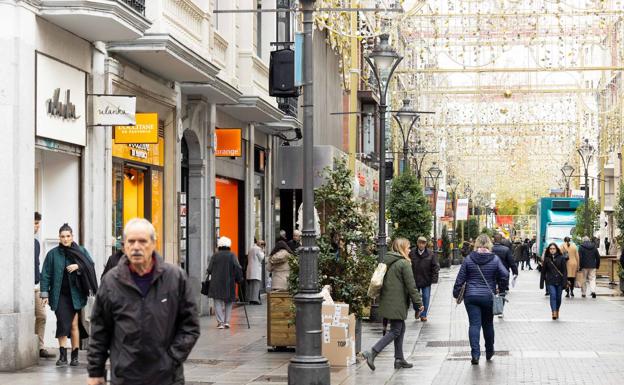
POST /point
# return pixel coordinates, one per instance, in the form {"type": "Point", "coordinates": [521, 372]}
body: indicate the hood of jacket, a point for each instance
{"type": "Point", "coordinates": [391, 257]}
{"type": "Point", "coordinates": [589, 245]}
{"type": "Point", "coordinates": [481, 259]}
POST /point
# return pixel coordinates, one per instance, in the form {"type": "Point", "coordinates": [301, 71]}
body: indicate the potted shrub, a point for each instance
{"type": "Point", "coordinates": [408, 208]}
{"type": "Point", "coordinates": [346, 243]}
{"type": "Point", "coordinates": [445, 254]}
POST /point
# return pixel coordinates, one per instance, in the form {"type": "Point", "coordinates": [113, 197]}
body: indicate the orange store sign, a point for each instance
{"type": "Point", "coordinates": [228, 142]}
{"type": "Point", "coordinates": [145, 130]}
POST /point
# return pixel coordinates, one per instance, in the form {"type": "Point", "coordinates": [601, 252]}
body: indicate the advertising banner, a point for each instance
{"type": "Point", "coordinates": [144, 131]}
{"type": "Point", "coordinates": [462, 209]}
{"type": "Point", "coordinates": [441, 204]}
{"type": "Point", "coordinates": [114, 110]}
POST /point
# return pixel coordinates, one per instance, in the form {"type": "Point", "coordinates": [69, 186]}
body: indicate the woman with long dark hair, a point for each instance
{"type": "Point", "coordinates": [67, 279]}
{"type": "Point", "coordinates": [555, 275]}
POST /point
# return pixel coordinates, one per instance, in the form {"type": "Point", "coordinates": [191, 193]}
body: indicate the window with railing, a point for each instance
{"type": "Point", "coordinates": [137, 5]}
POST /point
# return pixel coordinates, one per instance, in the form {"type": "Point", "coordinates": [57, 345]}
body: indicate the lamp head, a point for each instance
{"type": "Point", "coordinates": [434, 171]}
{"type": "Point", "coordinates": [586, 151]}
{"type": "Point", "coordinates": [567, 170]}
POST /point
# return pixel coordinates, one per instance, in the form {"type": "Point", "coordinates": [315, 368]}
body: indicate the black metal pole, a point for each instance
{"type": "Point", "coordinates": [588, 230]}
{"type": "Point", "coordinates": [381, 232]}
{"type": "Point", "coordinates": [308, 366]}
{"type": "Point", "coordinates": [405, 167]}
{"type": "Point", "coordinates": [454, 226]}
{"type": "Point", "coordinates": [435, 218]}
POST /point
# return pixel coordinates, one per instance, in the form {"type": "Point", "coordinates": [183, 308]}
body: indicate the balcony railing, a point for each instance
{"type": "Point", "coordinates": [288, 105]}
{"type": "Point", "coordinates": [137, 5]}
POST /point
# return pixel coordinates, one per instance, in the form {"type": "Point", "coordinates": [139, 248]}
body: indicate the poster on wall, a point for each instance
{"type": "Point", "coordinates": [113, 110]}
{"type": "Point", "coordinates": [462, 209]}
{"type": "Point", "coordinates": [60, 101]}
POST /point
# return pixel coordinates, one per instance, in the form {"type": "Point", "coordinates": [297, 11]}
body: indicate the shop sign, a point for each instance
{"type": "Point", "coordinates": [114, 110]}
{"type": "Point", "coordinates": [60, 101]}
{"type": "Point", "coordinates": [144, 131]}
{"type": "Point", "coordinates": [141, 152]}
{"type": "Point", "coordinates": [462, 209]}
{"type": "Point", "coordinates": [228, 142]}
{"type": "Point", "coordinates": [441, 204]}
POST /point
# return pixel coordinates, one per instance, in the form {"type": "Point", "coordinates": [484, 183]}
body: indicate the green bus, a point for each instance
{"type": "Point", "coordinates": [556, 217]}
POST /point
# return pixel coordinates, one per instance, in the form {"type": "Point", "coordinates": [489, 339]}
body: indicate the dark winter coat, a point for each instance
{"type": "Point", "coordinates": [590, 258]}
{"type": "Point", "coordinates": [224, 271]}
{"type": "Point", "coordinates": [147, 338]}
{"type": "Point", "coordinates": [466, 249]}
{"type": "Point", "coordinates": [554, 271]}
{"type": "Point", "coordinates": [52, 278]}
{"type": "Point", "coordinates": [493, 270]}
{"type": "Point", "coordinates": [37, 264]}
{"type": "Point", "coordinates": [506, 257]}
{"type": "Point", "coordinates": [425, 268]}
{"type": "Point", "coordinates": [398, 290]}
{"type": "Point", "coordinates": [112, 261]}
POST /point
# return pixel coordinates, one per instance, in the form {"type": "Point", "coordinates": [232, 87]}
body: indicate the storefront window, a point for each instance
{"type": "Point", "coordinates": [157, 206]}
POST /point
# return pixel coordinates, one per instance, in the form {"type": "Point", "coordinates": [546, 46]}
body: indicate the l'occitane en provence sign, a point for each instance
{"type": "Point", "coordinates": [145, 130]}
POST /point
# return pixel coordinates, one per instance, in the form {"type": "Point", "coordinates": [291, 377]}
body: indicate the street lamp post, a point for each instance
{"type": "Point", "coordinates": [383, 60]}
{"type": "Point", "coordinates": [586, 151]}
{"type": "Point", "coordinates": [308, 366]}
{"type": "Point", "coordinates": [420, 152]}
{"type": "Point", "coordinates": [453, 183]}
{"type": "Point", "coordinates": [468, 193]}
{"type": "Point", "coordinates": [435, 173]}
{"type": "Point", "coordinates": [567, 170]}
{"type": "Point", "coordinates": [406, 118]}
{"type": "Point", "coordinates": [479, 200]}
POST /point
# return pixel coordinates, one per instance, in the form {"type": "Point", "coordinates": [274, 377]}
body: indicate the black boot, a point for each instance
{"type": "Point", "coordinates": [74, 358]}
{"type": "Point", "coordinates": [370, 358]}
{"type": "Point", "coordinates": [402, 364]}
{"type": "Point", "coordinates": [62, 361]}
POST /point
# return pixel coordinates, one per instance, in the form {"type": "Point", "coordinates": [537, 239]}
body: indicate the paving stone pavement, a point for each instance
{"type": "Point", "coordinates": [585, 346]}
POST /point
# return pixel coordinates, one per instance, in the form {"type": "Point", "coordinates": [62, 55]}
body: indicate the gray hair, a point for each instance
{"type": "Point", "coordinates": [297, 232]}
{"type": "Point", "coordinates": [586, 239]}
{"type": "Point", "coordinates": [141, 222]}
{"type": "Point", "coordinates": [483, 241]}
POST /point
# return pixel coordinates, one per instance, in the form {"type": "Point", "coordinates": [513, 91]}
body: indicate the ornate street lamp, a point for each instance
{"type": "Point", "coordinates": [468, 193]}
{"type": "Point", "coordinates": [420, 152]}
{"type": "Point", "coordinates": [435, 173]}
{"type": "Point", "coordinates": [586, 151]}
{"type": "Point", "coordinates": [383, 60]}
{"type": "Point", "coordinates": [406, 118]}
{"type": "Point", "coordinates": [567, 170]}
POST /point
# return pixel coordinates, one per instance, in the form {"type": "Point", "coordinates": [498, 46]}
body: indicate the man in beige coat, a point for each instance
{"type": "Point", "coordinates": [572, 264]}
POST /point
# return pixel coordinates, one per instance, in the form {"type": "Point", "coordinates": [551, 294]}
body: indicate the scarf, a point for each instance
{"type": "Point", "coordinates": [86, 279]}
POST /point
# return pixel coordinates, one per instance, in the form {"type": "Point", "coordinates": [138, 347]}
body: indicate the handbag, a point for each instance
{"type": "Point", "coordinates": [460, 297]}
{"type": "Point", "coordinates": [376, 282]}
{"type": "Point", "coordinates": [205, 286]}
{"type": "Point", "coordinates": [498, 302]}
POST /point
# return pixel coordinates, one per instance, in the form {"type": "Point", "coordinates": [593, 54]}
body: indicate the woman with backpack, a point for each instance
{"type": "Point", "coordinates": [555, 275]}
{"type": "Point", "coordinates": [397, 293]}
{"type": "Point", "coordinates": [482, 274]}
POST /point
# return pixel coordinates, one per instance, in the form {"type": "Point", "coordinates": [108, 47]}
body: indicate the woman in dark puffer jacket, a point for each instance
{"type": "Point", "coordinates": [555, 275]}
{"type": "Point", "coordinates": [479, 293]}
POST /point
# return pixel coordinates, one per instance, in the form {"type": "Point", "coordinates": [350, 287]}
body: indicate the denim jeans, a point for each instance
{"type": "Point", "coordinates": [426, 296]}
{"type": "Point", "coordinates": [480, 316]}
{"type": "Point", "coordinates": [555, 296]}
{"type": "Point", "coordinates": [396, 333]}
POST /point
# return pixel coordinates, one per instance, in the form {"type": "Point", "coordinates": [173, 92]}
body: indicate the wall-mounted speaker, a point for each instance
{"type": "Point", "coordinates": [282, 74]}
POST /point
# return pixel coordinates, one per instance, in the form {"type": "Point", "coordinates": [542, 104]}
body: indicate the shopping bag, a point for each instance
{"type": "Point", "coordinates": [580, 279]}
{"type": "Point", "coordinates": [376, 283]}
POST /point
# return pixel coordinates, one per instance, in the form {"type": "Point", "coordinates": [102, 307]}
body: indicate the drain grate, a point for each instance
{"type": "Point", "coordinates": [203, 361]}
{"type": "Point", "coordinates": [270, 378]}
{"type": "Point", "coordinates": [445, 344]}
{"type": "Point", "coordinates": [500, 353]}
{"type": "Point", "coordinates": [198, 383]}
{"type": "Point", "coordinates": [458, 359]}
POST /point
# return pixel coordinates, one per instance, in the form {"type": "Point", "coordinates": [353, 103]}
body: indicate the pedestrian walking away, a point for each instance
{"type": "Point", "coordinates": [572, 264]}
{"type": "Point", "coordinates": [506, 257]}
{"type": "Point", "coordinates": [255, 257]}
{"type": "Point", "coordinates": [40, 311]}
{"type": "Point", "coordinates": [67, 279]}
{"type": "Point", "coordinates": [425, 268]}
{"type": "Point", "coordinates": [224, 272]}
{"type": "Point", "coordinates": [590, 263]}
{"type": "Point", "coordinates": [144, 317]}
{"type": "Point", "coordinates": [278, 265]}
{"type": "Point", "coordinates": [483, 273]}
{"type": "Point", "coordinates": [397, 292]}
{"type": "Point", "coordinates": [555, 275]}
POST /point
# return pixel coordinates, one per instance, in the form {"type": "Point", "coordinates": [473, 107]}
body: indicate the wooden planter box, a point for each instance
{"type": "Point", "coordinates": [280, 330]}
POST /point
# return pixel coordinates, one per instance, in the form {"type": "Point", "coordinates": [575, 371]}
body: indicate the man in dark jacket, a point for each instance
{"type": "Point", "coordinates": [590, 262]}
{"type": "Point", "coordinates": [425, 268]}
{"type": "Point", "coordinates": [40, 311]}
{"type": "Point", "coordinates": [144, 317]}
{"type": "Point", "coordinates": [505, 254]}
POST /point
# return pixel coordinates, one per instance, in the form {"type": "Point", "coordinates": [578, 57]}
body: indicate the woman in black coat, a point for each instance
{"type": "Point", "coordinates": [224, 272]}
{"type": "Point", "coordinates": [555, 275]}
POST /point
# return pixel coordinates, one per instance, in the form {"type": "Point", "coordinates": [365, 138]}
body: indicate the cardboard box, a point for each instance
{"type": "Point", "coordinates": [339, 352]}
{"type": "Point", "coordinates": [338, 334]}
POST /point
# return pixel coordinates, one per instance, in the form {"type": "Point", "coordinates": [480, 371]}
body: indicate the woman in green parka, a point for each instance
{"type": "Point", "coordinates": [397, 294]}
{"type": "Point", "coordinates": [67, 278]}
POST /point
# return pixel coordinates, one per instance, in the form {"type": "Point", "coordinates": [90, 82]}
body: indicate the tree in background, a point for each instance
{"type": "Point", "coordinates": [471, 229]}
{"type": "Point", "coordinates": [445, 258]}
{"type": "Point", "coordinates": [508, 206]}
{"type": "Point", "coordinates": [408, 208]}
{"type": "Point", "coordinates": [619, 215]}
{"type": "Point", "coordinates": [579, 230]}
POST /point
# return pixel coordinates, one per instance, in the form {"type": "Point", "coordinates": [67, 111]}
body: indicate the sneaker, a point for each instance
{"type": "Point", "coordinates": [402, 364]}
{"type": "Point", "coordinates": [500, 316]}
{"type": "Point", "coordinates": [227, 326]}
{"type": "Point", "coordinates": [489, 355]}
{"type": "Point", "coordinates": [593, 295]}
{"type": "Point", "coordinates": [45, 354]}
{"type": "Point", "coordinates": [220, 326]}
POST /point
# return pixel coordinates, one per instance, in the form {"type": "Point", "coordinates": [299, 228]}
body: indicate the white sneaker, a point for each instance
{"type": "Point", "coordinates": [227, 326]}
{"type": "Point", "coordinates": [220, 326]}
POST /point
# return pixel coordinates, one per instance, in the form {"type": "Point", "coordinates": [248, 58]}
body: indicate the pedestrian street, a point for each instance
{"type": "Point", "coordinates": [583, 347]}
